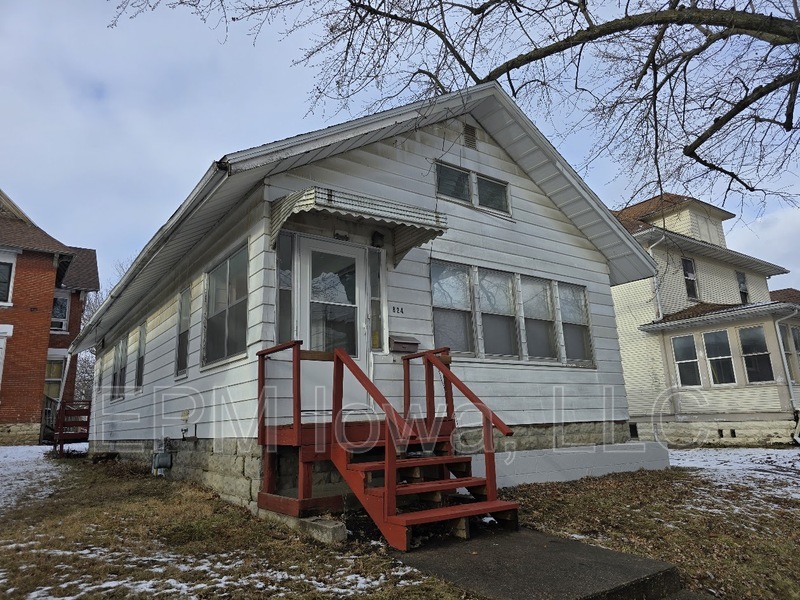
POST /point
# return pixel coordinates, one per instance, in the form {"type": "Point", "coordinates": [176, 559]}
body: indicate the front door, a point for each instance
{"type": "Point", "coordinates": [334, 313]}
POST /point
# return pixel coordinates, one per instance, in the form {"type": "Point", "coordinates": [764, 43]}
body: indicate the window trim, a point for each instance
{"type": "Point", "coordinates": [226, 356]}
{"type": "Point", "coordinates": [710, 358]}
{"type": "Point", "coordinates": [474, 196]}
{"type": "Point", "coordinates": [677, 362]}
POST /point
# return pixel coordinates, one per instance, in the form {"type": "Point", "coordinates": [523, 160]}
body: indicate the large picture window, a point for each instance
{"type": "Point", "coordinates": [226, 308]}
{"type": "Point", "coordinates": [718, 353]}
{"type": "Point", "coordinates": [756, 355]}
{"type": "Point", "coordinates": [515, 316]}
{"type": "Point", "coordinates": [686, 362]}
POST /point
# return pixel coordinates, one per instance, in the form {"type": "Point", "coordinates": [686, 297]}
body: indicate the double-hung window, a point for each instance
{"type": "Point", "coordinates": [53, 374]}
{"type": "Point", "coordinates": [452, 306]}
{"type": "Point", "coordinates": [472, 188]}
{"type": "Point", "coordinates": [690, 278]}
{"type": "Point", "coordinates": [184, 322]}
{"type": "Point", "coordinates": [685, 353]}
{"type": "Point", "coordinates": [120, 369]}
{"type": "Point", "coordinates": [720, 361]}
{"type": "Point", "coordinates": [6, 269]}
{"type": "Point", "coordinates": [285, 258]}
{"type": "Point", "coordinates": [498, 313]}
{"type": "Point", "coordinates": [226, 308]}
{"type": "Point", "coordinates": [756, 354]}
{"type": "Point", "coordinates": [741, 280]}
{"type": "Point", "coordinates": [140, 356]}
{"type": "Point", "coordinates": [790, 350]}
{"type": "Point", "coordinates": [539, 315]}
{"type": "Point", "coordinates": [575, 322]}
{"type": "Point", "coordinates": [59, 318]}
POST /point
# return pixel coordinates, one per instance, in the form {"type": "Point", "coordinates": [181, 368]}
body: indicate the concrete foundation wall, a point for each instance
{"type": "Point", "coordinates": [718, 433]}
{"type": "Point", "coordinates": [568, 464]}
{"type": "Point", "coordinates": [540, 437]}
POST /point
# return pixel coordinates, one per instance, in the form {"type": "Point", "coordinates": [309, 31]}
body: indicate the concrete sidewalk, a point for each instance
{"type": "Point", "coordinates": [527, 565]}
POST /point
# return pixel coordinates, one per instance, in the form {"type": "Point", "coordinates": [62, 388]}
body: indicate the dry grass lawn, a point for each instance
{"type": "Point", "coordinates": [726, 540]}
{"type": "Point", "coordinates": [114, 531]}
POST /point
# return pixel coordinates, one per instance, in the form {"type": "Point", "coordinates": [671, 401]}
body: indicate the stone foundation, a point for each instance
{"type": "Point", "coordinates": [543, 437]}
{"type": "Point", "coordinates": [717, 433]}
{"type": "Point", "coordinates": [19, 434]}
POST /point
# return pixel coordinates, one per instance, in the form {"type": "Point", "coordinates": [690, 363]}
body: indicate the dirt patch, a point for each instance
{"type": "Point", "coordinates": [729, 540]}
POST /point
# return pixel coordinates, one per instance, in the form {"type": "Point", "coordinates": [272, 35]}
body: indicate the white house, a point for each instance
{"type": "Point", "coordinates": [445, 223]}
{"type": "Point", "coordinates": [709, 356]}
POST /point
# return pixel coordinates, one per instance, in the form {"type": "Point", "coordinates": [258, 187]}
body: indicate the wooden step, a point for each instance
{"type": "Point", "coordinates": [413, 442]}
{"type": "Point", "coordinates": [405, 489]}
{"type": "Point", "coordinates": [447, 513]}
{"type": "Point", "coordinates": [402, 463]}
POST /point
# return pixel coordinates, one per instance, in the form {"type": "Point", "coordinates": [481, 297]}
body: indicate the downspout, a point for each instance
{"type": "Point", "coordinates": [788, 373]}
{"type": "Point", "coordinates": [659, 312]}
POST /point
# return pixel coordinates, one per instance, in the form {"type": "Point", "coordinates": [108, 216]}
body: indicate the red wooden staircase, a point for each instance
{"type": "Point", "coordinates": [72, 424]}
{"type": "Point", "coordinates": [405, 476]}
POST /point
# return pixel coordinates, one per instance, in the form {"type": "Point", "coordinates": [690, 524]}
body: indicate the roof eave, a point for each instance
{"type": "Point", "coordinates": [736, 314]}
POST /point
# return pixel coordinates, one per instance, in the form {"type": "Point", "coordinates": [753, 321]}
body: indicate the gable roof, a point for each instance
{"type": "Point", "coordinates": [790, 295]}
{"type": "Point", "coordinates": [235, 175]}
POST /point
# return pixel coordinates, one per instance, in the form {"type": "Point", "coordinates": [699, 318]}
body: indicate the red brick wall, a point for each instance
{"type": "Point", "coordinates": [22, 386]}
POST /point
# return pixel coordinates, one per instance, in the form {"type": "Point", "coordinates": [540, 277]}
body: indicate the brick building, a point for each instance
{"type": "Point", "coordinates": [43, 286]}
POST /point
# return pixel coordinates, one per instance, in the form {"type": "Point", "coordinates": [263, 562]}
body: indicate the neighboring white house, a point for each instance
{"type": "Point", "coordinates": [451, 221]}
{"type": "Point", "coordinates": [709, 356]}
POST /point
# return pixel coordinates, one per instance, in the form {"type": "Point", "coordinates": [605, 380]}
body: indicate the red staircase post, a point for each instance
{"type": "Point", "coordinates": [390, 471]}
{"type": "Point", "coordinates": [430, 401]}
{"type": "Point", "coordinates": [406, 389]}
{"type": "Point", "coordinates": [488, 454]}
{"type": "Point", "coordinates": [297, 422]}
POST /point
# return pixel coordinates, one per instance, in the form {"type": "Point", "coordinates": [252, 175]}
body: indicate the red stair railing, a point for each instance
{"type": "Point", "coordinates": [263, 356]}
{"type": "Point", "coordinates": [394, 424]}
{"type": "Point", "coordinates": [439, 358]}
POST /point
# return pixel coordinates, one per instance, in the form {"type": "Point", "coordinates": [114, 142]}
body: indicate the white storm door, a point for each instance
{"type": "Point", "coordinates": [333, 313]}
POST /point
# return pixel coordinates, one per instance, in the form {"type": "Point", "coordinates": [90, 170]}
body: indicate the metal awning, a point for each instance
{"type": "Point", "coordinates": [411, 226]}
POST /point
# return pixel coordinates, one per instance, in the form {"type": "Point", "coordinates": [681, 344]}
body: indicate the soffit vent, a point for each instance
{"type": "Point", "coordinates": [470, 140]}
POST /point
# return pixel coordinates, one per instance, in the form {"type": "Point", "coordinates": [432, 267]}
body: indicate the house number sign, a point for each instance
{"type": "Point", "coordinates": [397, 310]}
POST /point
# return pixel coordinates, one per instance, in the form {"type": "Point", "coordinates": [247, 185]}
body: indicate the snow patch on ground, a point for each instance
{"type": "Point", "coordinates": [767, 471]}
{"type": "Point", "coordinates": [25, 473]}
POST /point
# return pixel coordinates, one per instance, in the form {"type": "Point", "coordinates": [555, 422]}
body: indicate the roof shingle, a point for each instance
{"type": "Point", "coordinates": [82, 272]}
{"type": "Point", "coordinates": [789, 295]}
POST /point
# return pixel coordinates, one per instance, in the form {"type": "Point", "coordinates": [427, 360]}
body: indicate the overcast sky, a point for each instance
{"type": "Point", "coordinates": [104, 132]}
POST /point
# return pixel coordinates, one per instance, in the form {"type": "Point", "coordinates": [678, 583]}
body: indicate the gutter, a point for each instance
{"type": "Point", "coordinates": [792, 397]}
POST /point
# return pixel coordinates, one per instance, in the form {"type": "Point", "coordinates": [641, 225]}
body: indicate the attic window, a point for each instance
{"type": "Point", "coordinates": [690, 277]}
{"type": "Point", "coordinates": [470, 187]}
{"type": "Point", "coordinates": [741, 279]}
{"type": "Point", "coordinates": [470, 140]}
